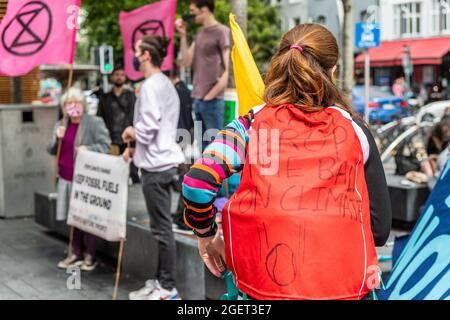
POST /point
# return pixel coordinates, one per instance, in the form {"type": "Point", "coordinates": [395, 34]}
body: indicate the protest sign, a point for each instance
{"type": "Point", "coordinates": [99, 197]}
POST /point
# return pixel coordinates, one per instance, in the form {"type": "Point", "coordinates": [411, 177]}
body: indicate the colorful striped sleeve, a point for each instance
{"type": "Point", "coordinates": [221, 159]}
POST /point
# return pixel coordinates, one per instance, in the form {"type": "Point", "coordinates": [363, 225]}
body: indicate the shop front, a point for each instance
{"type": "Point", "coordinates": [430, 62]}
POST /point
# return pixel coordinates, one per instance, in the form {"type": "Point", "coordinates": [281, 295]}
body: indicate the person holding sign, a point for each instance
{"type": "Point", "coordinates": [313, 200]}
{"type": "Point", "coordinates": [76, 131]}
{"type": "Point", "coordinates": [158, 156]}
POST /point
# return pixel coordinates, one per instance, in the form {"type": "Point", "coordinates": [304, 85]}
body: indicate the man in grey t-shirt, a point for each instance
{"type": "Point", "coordinates": [209, 56]}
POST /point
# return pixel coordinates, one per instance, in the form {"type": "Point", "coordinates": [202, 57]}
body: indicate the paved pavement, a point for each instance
{"type": "Point", "coordinates": [29, 254]}
{"type": "Point", "coordinates": [28, 258]}
{"type": "Point", "coordinates": [386, 251]}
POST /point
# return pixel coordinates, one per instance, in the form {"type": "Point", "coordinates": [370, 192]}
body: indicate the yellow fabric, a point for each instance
{"type": "Point", "coordinates": [249, 83]}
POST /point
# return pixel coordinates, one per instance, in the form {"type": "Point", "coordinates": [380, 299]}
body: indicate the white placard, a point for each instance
{"type": "Point", "coordinates": [98, 202]}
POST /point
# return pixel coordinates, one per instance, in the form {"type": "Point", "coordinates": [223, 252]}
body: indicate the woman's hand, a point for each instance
{"type": "Point", "coordinates": [60, 132]}
{"type": "Point", "coordinates": [212, 251]}
{"type": "Point", "coordinates": [128, 154]}
{"type": "Point", "coordinates": [81, 148]}
{"type": "Point", "coordinates": [129, 135]}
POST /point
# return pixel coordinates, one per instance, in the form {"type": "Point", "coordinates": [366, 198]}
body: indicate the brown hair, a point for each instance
{"type": "Point", "coordinates": [304, 78]}
{"type": "Point", "coordinates": [156, 46]}
{"type": "Point", "coordinates": [210, 4]}
{"type": "Point", "coordinates": [441, 131]}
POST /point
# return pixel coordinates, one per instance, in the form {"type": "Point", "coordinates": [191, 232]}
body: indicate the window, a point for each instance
{"type": "Point", "coordinates": [363, 16]}
{"type": "Point", "coordinates": [441, 16]}
{"type": "Point", "coordinates": [321, 20]}
{"type": "Point", "coordinates": [407, 20]}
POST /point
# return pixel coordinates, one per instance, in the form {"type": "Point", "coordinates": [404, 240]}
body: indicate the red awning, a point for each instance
{"type": "Point", "coordinates": [423, 52]}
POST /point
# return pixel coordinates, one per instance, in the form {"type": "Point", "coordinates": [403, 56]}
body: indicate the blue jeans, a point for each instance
{"type": "Point", "coordinates": [210, 114]}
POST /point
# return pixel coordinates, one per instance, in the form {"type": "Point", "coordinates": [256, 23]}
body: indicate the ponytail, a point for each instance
{"type": "Point", "coordinates": [301, 72]}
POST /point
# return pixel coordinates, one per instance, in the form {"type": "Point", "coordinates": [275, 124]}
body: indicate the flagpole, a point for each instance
{"type": "Point", "coordinates": [58, 154]}
{"type": "Point", "coordinates": [118, 269]}
{"type": "Point", "coordinates": [64, 119]}
{"type": "Point", "coordinates": [69, 85]}
{"type": "Point", "coordinates": [63, 122]}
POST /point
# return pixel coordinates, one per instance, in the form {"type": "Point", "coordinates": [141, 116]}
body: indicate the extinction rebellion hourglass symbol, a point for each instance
{"type": "Point", "coordinates": [149, 27]}
{"type": "Point", "coordinates": [28, 32]}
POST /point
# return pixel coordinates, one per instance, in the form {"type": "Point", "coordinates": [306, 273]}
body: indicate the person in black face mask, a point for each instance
{"type": "Point", "coordinates": [136, 64]}
{"type": "Point", "coordinates": [117, 110]}
{"type": "Point", "coordinates": [158, 156]}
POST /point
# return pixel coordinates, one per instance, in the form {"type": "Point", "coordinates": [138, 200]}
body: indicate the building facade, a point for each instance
{"type": "Point", "coordinates": [292, 12]}
{"type": "Point", "coordinates": [412, 19]}
{"type": "Point", "coordinates": [326, 12]}
{"type": "Point", "coordinates": [330, 13]}
{"type": "Point", "coordinates": [420, 27]}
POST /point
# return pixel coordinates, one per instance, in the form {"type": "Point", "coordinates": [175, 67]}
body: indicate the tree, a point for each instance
{"type": "Point", "coordinates": [348, 44]}
{"type": "Point", "coordinates": [263, 31]}
{"type": "Point", "coordinates": [261, 23]}
{"type": "Point", "coordinates": [240, 10]}
{"type": "Point", "coordinates": [102, 26]}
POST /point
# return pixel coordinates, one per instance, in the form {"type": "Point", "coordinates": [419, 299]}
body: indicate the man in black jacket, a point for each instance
{"type": "Point", "coordinates": [117, 109]}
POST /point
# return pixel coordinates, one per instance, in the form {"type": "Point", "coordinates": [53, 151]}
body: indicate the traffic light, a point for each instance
{"type": "Point", "coordinates": [106, 59]}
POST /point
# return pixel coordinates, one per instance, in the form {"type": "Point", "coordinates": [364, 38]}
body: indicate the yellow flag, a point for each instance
{"type": "Point", "coordinates": [249, 83]}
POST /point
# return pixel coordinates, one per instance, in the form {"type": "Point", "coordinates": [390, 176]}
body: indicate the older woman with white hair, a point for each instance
{"type": "Point", "coordinates": [76, 131]}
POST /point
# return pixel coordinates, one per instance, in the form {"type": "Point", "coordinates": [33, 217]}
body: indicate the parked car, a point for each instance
{"type": "Point", "coordinates": [433, 111]}
{"type": "Point", "coordinates": [384, 107]}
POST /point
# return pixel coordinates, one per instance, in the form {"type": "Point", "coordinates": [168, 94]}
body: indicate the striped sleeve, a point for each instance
{"type": "Point", "coordinates": [221, 159]}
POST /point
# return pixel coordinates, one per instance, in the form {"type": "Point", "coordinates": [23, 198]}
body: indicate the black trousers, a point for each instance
{"type": "Point", "coordinates": [156, 187]}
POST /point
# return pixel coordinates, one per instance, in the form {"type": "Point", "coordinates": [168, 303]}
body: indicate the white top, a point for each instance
{"type": "Point", "coordinates": [156, 121]}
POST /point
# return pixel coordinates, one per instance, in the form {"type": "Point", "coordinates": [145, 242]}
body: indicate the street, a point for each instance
{"type": "Point", "coordinates": [28, 258]}
{"type": "Point", "coordinates": [29, 254]}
